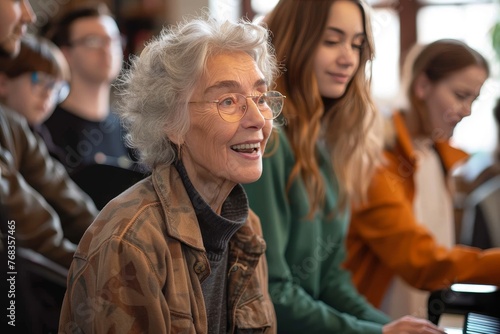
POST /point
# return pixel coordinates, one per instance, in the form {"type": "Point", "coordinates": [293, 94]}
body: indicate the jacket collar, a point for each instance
{"type": "Point", "coordinates": [179, 213]}
{"type": "Point", "coordinates": [403, 138]}
{"type": "Point", "coordinates": [181, 217]}
{"type": "Point", "coordinates": [450, 156]}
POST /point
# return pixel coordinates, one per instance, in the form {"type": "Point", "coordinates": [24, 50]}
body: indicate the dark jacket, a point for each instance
{"type": "Point", "coordinates": [50, 211]}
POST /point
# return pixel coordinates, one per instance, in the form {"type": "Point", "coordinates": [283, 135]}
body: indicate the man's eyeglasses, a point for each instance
{"type": "Point", "coordinates": [97, 42]}
{"type": "Point", "coordinates": [233, 106]}
{"type": "Point", "coordinates": [58, 89]}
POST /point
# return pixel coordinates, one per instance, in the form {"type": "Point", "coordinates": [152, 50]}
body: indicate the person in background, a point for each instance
{"type": "Point", "coordinates": [180, 251]}
{"type": "Point", "coordinates": [51, 212]}
{"type": "Point", "coordinates": [403, 234]}
{"type": "Point", "coordinates": [323, 156]}
{"type": "Point", "coordinates": [42, 212]}
{"type": "Point", "coordinates": [84, 125]}
{"type": "Point", "coordinates": [33, 82]}
{"type": "Point", "coordinates": [15, 17]}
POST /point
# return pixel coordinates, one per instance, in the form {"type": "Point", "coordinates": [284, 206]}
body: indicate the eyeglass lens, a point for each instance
{"type": "Point", "coordinates": [233, 106]}
{"type": "Point", "coordinates": [57, 88]}
{"type": "Point", "coordinates": [98, 42]}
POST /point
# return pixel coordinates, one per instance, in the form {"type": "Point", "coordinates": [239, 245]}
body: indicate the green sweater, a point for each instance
{"type": "Point", "coordinates": [310, 291]}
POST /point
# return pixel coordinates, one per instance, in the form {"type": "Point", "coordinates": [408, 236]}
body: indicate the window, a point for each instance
{"type": "Point", "coordinates": [385, 68]}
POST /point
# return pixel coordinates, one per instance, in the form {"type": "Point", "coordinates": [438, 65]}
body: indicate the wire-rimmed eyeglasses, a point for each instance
{"type": "Point", "coordinates": [233, 106]}
{"type": "Point", "coordinates": [98, 42]}
{"type": "Point", "coordinates": [58, 89]}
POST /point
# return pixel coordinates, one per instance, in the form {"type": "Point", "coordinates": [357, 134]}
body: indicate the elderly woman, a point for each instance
{"type": "Point", "coordinates": [181, 251]}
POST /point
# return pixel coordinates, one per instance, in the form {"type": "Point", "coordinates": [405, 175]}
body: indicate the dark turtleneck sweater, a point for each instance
{"type": "Point", "coordinates": [216, 230]}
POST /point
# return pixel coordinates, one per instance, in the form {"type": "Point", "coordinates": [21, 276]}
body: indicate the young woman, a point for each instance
{"type": "Point", "coordinates": [405, 229]}
{"type": "Point", "coordinates": [320, 158]}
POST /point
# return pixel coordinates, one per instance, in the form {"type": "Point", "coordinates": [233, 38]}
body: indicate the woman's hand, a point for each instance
{"type": "Point", "coordinates": [411, 325]}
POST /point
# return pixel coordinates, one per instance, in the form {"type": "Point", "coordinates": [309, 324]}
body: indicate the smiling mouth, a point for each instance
{"type": "Point", "coordinates": [339, 77]}
{"type": "Point", "coordinates": [246, 148]}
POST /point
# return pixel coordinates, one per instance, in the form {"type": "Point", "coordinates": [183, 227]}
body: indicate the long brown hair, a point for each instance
{"type": "Point", "coordinates": [348, 127]}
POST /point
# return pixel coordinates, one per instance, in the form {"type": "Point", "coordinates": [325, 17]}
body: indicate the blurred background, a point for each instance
{"type": "Point", "coordinates": [397, 25]}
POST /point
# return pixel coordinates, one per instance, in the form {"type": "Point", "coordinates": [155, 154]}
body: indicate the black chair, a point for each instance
{"type": "Point", "coordinates": [33, 286]}
{"type": "Point", "coordinates": [104, 182]}
{"type": "Point", "coordinates": [46, 281]}
{"type": "Point", "coordinates": [38, 290]}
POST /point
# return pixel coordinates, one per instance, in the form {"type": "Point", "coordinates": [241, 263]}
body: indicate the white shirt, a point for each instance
{"type": "Point", "coordinates": [433, 208]}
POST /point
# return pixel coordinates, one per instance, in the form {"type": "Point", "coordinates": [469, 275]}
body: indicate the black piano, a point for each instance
{"type": "Point", "coordinates": [476, 307]}
{"type": "Point", "coordinates": [476, 323]}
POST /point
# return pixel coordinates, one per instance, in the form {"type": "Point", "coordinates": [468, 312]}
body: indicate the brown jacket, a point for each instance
{"type": "Point", "coordinates": [139, 268]}
{"type": "Point", "coordinates": [385, 239]}
{"type": "Point", "coordinates": [50, 212]}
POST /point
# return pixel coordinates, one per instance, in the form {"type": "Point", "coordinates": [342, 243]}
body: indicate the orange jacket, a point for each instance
{"type": "Point", "coordinates": [385, 239]}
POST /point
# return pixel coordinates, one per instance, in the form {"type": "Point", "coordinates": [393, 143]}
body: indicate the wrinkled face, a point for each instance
{"type": "Point", "coordinates": [216, 151]}
{"type": "Point", "coordinates": [338, 54]}
{"type": "Point", "coordinates": [450, 100]}
{"type": "Point", "coordinates": [15, 15]}
{"type": "Point", "coordinates": [34, 99]}
{"type": "Point", "coordinates": [96, 53]}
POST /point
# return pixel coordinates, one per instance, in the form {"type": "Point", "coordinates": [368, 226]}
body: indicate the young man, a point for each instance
{"type": "Point", "coordinates": [84, 126]}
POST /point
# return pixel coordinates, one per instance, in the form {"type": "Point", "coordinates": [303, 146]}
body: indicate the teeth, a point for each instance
{"type": "Point", "coordinates": [245, 146]}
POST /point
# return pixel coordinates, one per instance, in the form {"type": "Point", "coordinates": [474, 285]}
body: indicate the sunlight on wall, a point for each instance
{"type": "Point", "coordinates": [263, 6]}
{"type": "Point", "coordinates": [385, 68]}
{"type": "Point", "coordinates": [229, 9]}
